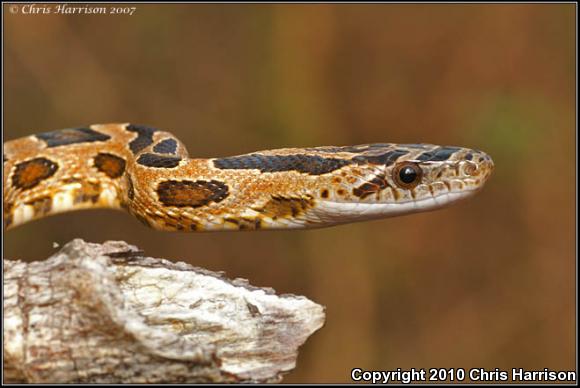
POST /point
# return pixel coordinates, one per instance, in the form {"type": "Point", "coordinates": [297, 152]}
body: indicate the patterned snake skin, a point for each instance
{"type": "Point", "coordinates": [148, 173]}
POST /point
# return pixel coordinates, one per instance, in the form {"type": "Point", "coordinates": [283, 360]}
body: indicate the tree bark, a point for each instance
{"type": "Point", "coordinates": [104, 313]}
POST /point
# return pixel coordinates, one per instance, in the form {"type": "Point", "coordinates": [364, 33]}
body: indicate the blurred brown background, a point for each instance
{"type": "Point", "coordinates": [487, 283]}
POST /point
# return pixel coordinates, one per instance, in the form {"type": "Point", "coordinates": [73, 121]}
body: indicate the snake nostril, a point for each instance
{"type": "Point", "coordinates": [471, 169]}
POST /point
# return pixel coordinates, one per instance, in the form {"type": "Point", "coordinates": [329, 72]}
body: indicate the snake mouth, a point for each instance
{"type": "Point", "coordinates": [439, 200]}
{"type": "Point", "coordinates": [332, 212]}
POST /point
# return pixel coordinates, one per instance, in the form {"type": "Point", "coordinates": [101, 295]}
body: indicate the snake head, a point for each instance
{"type": "Point", "coordinates": [439, 176]}
{"type": "Point", "coordinates": [395, 179]}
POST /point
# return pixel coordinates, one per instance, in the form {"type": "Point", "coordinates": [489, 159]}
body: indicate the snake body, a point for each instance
{"type": "Point", "coordinates": [148, 173]}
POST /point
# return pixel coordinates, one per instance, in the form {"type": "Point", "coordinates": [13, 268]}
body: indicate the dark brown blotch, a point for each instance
{"type": "Point", "coordinates": [231, 220]}
{"type": "Point", "coordinates": [282, 207]}
{"type": "Point", "coordinates": [242, 223]}
{"type": "Point", "coordinates": [308, 164]}
{"type": "Point", "coordinates": [374, 186]}
{"type": "Point", "coordinates": [71, 136]}
{"type": "Point", "coordinates": [396, 194]}
{"type": "Point", "coordinates": [42, 205]}
{"type": "Point", "coordinates": [71, 180]}
{"type": "Point", "coordinates": [112, 165]}
{"type": "Point", "coordinates": [30, 173]}
{"type": "Point", "coordinates": [250, 223]}
{"type": "Point", "coordinates": [158, 161]}
{"type": "Point", "coordinates": [144, 137]}
{"type": "Point", "coordinates": [88, 192]}
{"type": "Point", "coordinates": [192, 194]}
{"type": "Point", "coordinates": [167, 146]}
{"type": "Point", "coordinates": [130, 188]}
{"type": "Point", "coordinates": [386, 158]}
{"type": "Point", "coordinates": [439, 154]}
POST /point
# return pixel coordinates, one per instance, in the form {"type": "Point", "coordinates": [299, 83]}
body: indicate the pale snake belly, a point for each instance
{"type": "Point", "coordinates": [148, 173]}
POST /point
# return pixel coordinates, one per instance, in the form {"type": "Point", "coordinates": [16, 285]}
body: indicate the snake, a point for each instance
{"type": "Point", "coordinates": [148, 172]}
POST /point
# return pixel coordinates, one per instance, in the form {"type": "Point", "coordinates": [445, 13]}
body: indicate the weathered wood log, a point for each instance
{"type": "Point", "coordinates": [104, 313]}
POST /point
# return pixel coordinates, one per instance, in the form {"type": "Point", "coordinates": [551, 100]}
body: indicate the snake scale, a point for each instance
{"type": "Point", "coordinates": [147, 172]}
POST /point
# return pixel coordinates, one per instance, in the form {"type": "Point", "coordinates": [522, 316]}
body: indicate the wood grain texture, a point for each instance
{"type": "Point", "coordinates": [96, 313]}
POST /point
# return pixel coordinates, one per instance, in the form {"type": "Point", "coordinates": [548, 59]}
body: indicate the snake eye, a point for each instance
{"type": "Point", "coordinates": [407, 175]}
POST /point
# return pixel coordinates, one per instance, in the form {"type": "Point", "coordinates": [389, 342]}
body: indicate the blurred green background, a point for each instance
{"type": "Point", "coordinates": [487, 283]}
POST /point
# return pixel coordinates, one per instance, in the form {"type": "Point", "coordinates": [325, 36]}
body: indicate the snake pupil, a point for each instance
{"type": "Point", "coordinates": [408, 174]}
